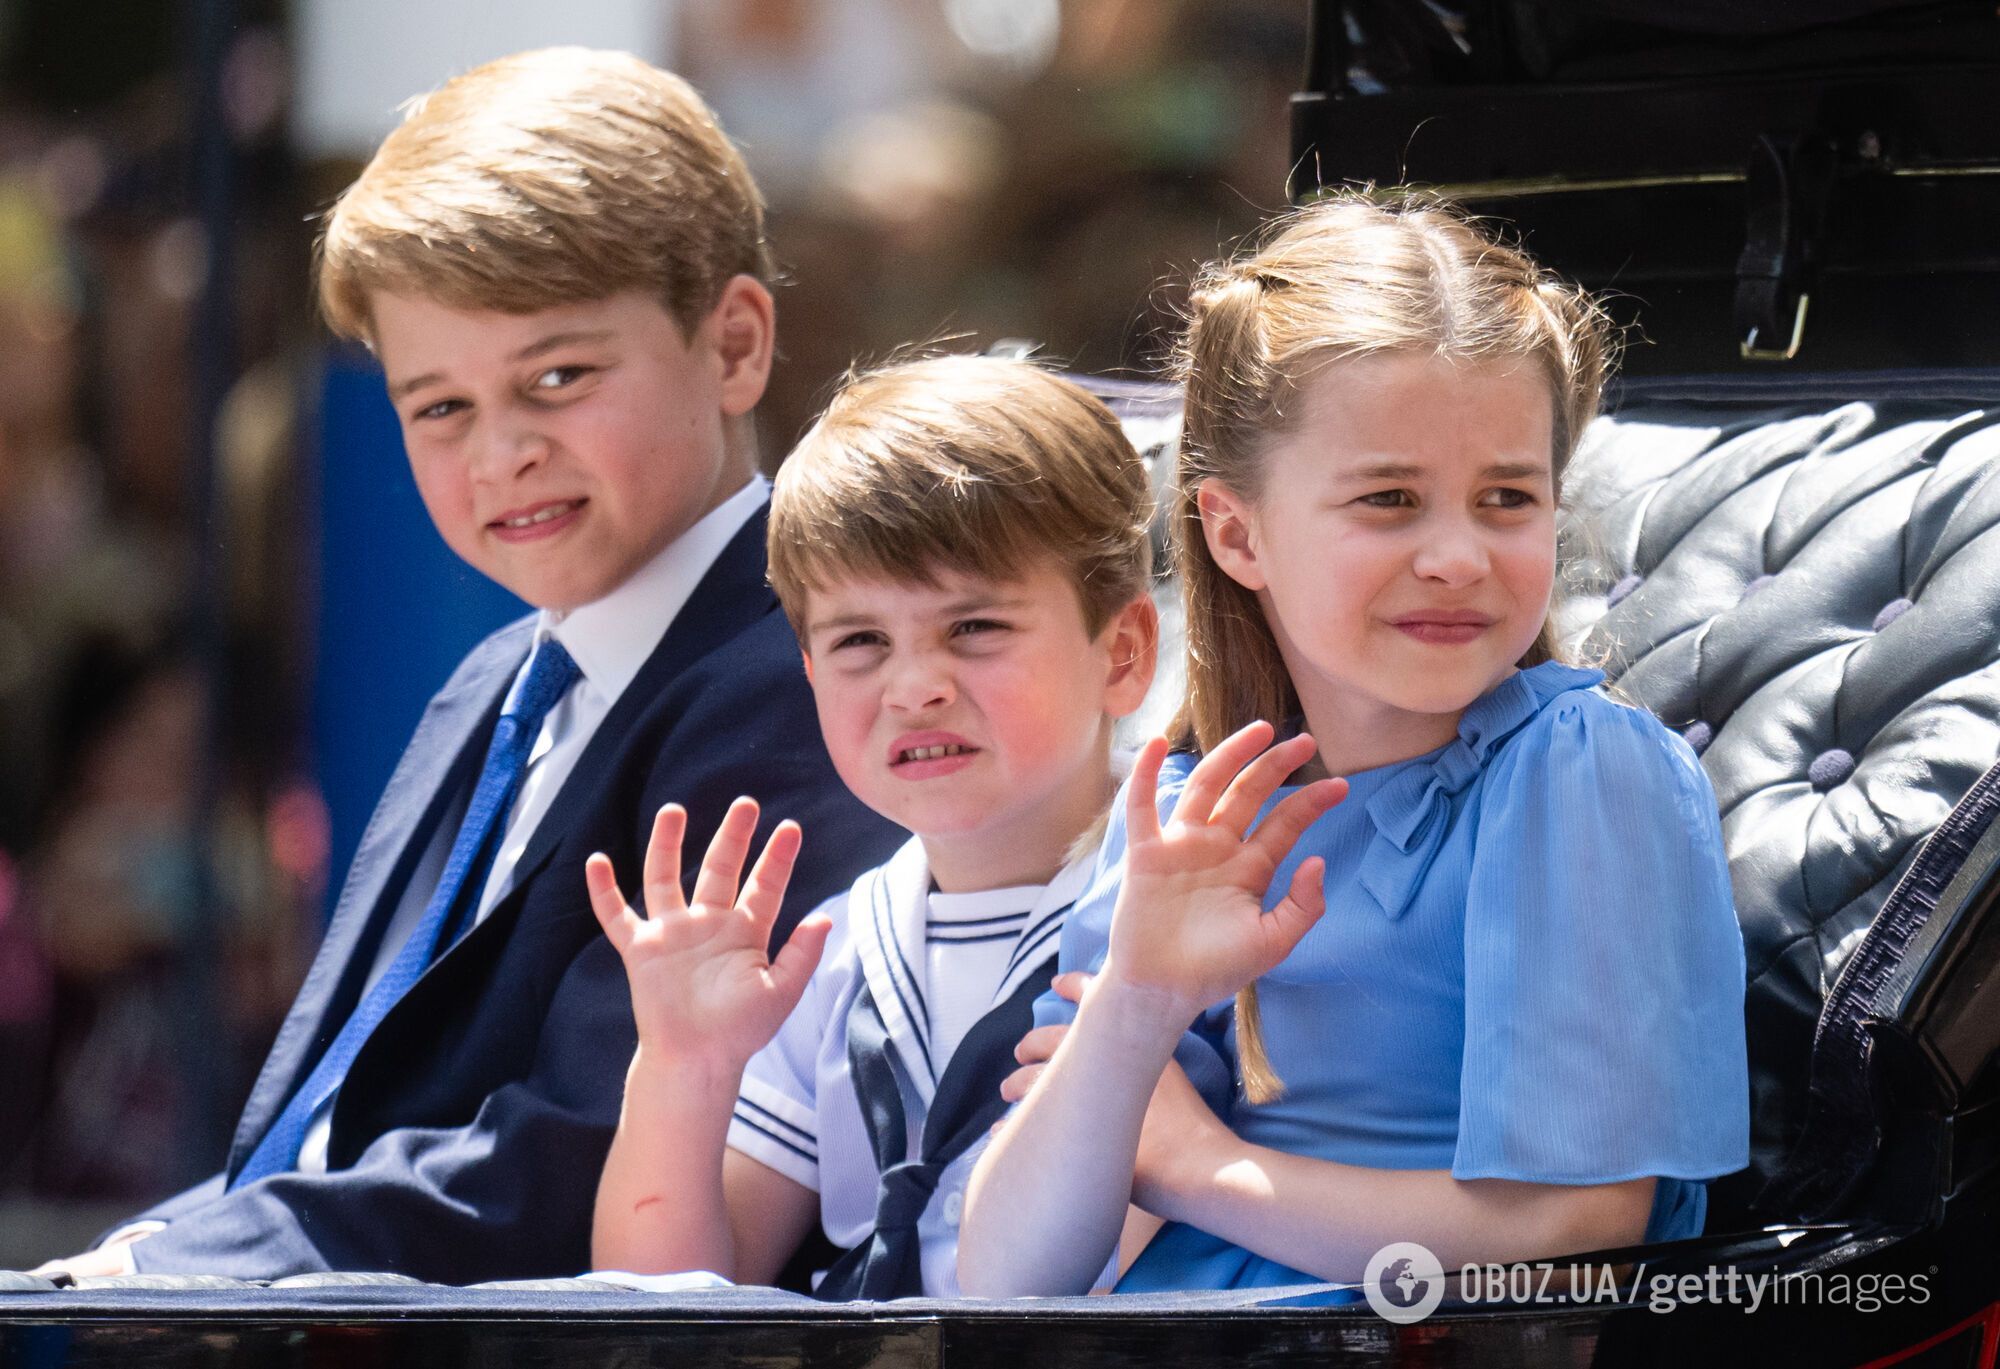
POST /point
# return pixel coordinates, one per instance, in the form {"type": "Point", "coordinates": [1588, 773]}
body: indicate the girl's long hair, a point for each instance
{"type": "Point", "coordinates": [1356, 274]}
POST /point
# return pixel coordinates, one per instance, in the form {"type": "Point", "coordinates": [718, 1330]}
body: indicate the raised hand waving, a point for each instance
{"type": "Point", "coordinates": [703, 984]}
{"type": "Point", "coordinates": [1190, 922]}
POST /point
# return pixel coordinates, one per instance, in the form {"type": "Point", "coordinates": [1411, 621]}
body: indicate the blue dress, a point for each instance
{"type": "Point", "coordinates": [1530, 965]}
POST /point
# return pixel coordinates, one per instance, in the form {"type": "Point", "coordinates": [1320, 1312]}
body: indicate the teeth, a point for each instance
{"type": "Point", "coordinates": [931, 753]}
{"type": "Point", "coordinates": [552, 511]}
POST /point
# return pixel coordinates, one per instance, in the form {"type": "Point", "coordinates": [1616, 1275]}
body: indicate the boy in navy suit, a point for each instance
{"type": "Point", "coordinates": [559, 260]}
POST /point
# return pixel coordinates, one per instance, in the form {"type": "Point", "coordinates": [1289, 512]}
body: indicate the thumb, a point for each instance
{"type": "Point", "coordinates": [1302, 906]}
{"type": "Point", "coordinates": [800, 957]}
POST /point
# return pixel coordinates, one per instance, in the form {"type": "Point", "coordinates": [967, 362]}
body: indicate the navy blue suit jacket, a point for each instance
{"type": "Point", "coordinates": [468, 1135]}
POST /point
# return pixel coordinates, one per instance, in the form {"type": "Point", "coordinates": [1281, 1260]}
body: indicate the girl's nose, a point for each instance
{"type": "Point", "coordinates": [1453, 553]}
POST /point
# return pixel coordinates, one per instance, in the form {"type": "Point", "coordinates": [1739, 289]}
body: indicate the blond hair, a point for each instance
{"type": "Point", "coordinates": [956, 463]}
{"type": "Point", "coordinates": [1353, 275]}
{"type": "Point", "coordinates": [546, 178]}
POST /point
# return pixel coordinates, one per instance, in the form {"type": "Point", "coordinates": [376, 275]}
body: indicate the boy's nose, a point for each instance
{"type": "Point", "coordinates": [919, 683]}
{"type": "Point", "coordinates": [507, 449]}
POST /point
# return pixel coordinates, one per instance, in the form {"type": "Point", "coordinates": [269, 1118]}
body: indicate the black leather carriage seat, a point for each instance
{"type": "Point", "coordinates": [1802, 576]}
{"type": "Point", "coordinates": [1807, 586]}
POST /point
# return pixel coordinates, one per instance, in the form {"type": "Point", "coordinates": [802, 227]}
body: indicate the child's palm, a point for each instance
{"type": "Point", "coordinates": [702, 982]}
{"type": "Point", "coordinates": [1190, 919]}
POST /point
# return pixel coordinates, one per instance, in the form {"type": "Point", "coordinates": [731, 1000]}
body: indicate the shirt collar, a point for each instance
{"type": "Point", "coordinates": [610, 638]}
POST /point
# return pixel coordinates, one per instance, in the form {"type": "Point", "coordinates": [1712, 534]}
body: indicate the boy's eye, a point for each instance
{"type": "Point", "coordinates": [970, 627]}
{"type": "Point", "coordinates": [443, 408]}
{"type": "Point", "coordinates": [559, 377]}
{"type": "Point", "coordinates": [866, 637]}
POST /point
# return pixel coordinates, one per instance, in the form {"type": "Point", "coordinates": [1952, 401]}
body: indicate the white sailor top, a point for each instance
{"type": "Point", "coordinates": [842, 1095]}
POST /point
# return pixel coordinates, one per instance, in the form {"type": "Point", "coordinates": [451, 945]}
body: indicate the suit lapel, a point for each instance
{"type": "Point", "coordinates": [446, 743]}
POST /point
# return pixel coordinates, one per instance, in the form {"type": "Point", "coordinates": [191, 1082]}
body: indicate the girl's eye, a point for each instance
{"type": "Point", "coordinates": [1509, 499]}
{"type": "Point", "coordinates": [559, 377]}
{"type": "Point", "coordinates": [1389, 499]}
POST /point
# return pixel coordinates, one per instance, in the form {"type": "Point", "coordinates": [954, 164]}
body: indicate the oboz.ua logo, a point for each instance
{"type": "Point", "coordinates": [1404, 1282]}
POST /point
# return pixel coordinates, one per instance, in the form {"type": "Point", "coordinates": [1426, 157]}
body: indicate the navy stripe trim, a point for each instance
{"type": "Point", "coordinates": [1037, 936]}
{"type": "Point", "coordinates": [1030, 948]}
{"type": "Point", "coordinates": [920, 1021]}
{"type": "Point", "coordinates": [776, 1139]}
{"type": "Point", "coordinates": [977, 922]}
{"type": "Point", "coordinates": [973, 940]}
{"type": "Point", "coordinates": [762, 1111]}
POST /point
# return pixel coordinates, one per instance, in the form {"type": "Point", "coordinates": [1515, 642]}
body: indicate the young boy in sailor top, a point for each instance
{"type": "Point", "coordinates": [961, 544]}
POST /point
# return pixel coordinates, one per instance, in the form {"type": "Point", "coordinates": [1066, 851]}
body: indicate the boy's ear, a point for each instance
{"type": "Point", "coordinates": [1135, 651]}
{"type": "Point", "coordinates": [1229, 528]}
{"type": "Point", "coordinates": [744, 324]}
{"type": "Point", "coordinates": [807, 657]}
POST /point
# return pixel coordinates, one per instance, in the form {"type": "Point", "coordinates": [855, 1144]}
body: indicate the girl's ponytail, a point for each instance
{"type": "Point", "coordinates": [1234, 670]}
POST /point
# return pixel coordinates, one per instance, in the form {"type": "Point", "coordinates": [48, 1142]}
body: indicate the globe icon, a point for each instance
{"type": "Point", "coordinates": [1401, 1284]}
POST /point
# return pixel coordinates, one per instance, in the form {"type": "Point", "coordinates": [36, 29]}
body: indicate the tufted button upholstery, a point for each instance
{"type": "Point", "coordinates": [1813, 591]}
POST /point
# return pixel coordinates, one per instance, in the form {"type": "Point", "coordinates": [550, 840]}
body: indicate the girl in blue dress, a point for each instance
{"type": "Point", "coordinates": [1488, 983]}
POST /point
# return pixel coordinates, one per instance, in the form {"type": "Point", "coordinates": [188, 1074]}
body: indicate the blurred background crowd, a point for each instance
{"type": "Point", "coordinates": [171, 831]}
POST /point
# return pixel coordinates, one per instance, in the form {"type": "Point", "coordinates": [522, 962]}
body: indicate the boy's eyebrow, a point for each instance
{"type": "Point", "coordinates": [528, 353]}
{"type": "Point", "coordinates": [978, 603]}
{"type": "Point", "coordinates": [555, 340]}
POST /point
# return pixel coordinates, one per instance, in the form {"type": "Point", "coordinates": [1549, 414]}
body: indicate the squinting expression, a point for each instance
{"type": "Point", "coordinates": [974, 713]}
{"type": "Point", "coordinates": [1404, 544]}
{"type": "Point", "coordinates": [558, 451]}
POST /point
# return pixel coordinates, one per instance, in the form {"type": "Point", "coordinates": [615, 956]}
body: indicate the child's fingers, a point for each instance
{"type": "Point", "coordinates": [1214, 771]}
{"type": "Point", "coordinates": [613, 914]}
{"type": "Point", "coordinates": [1288, 821]}
{"type": "Point", "coordinates": [1260, 779]}
{"type": "Point", "coordinates": [1016, 1085]}
{"type": "Point", "coordinates": [715, 886]}
{"type": "Point", "coordinates": [662, 877]}
{"type": "Point", "coordinates": [1303, 904]}
{"type": "Point", "coordinates": [1142, 804]}
{"type": "Point", "coordinates": [1039, 1045]}
{"type": "Point", "coordinates": [765, 890]}
{"type": "Point", "coordinates": [1071, 984]}
{"type": "Point", "coordinates": [800, 957]}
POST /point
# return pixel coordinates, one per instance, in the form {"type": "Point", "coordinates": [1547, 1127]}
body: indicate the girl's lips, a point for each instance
{"type": "Point", "coordinates": [1444, 630]}
{"type": "Point", "coordinates": [509, 528]}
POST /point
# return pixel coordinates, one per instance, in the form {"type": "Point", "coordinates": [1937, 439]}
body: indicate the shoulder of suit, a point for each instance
{"type": "Point", "coordinates": [503, 648]}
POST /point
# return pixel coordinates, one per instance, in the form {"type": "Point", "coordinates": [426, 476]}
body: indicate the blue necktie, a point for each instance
{"type": "Point", "coordinates": [550, 674]}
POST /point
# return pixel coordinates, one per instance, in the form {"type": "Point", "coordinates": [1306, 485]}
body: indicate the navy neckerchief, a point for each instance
{"type": "Point", "coordinates": [963, 1108]}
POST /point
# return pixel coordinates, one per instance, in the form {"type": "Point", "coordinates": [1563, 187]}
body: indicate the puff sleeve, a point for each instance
{"type": "Point", "coordinates": [1604, 966]}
